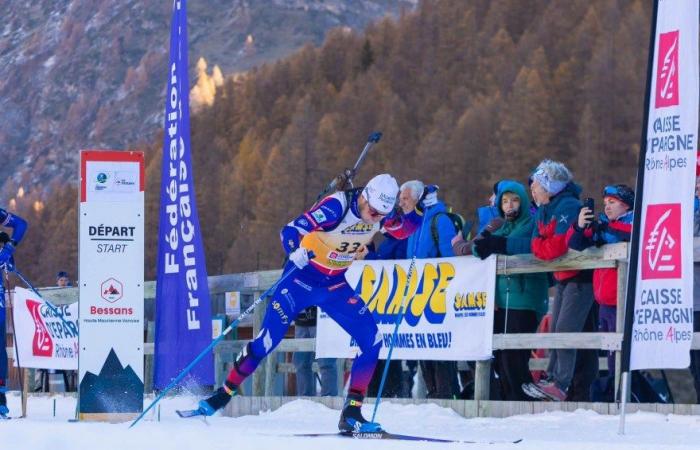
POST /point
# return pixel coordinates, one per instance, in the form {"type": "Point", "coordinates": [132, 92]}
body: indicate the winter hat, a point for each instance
{"type": "Point", "coordinates": [552, 175]}
{"type": "Point", "coordinates": [62, 274]}
{"type": "Point", "coordinates": [621, 192]}
{"type": "Point", "coordinates": [381, 192]}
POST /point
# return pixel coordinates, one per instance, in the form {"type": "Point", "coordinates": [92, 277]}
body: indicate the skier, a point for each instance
{"type": "Point", "coordinates": [19, 226]}
{"type": "Point", "coordinates": [321, 244]}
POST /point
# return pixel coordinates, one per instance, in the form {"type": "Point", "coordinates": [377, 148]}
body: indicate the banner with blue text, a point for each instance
{"type": "Point", "coordinates": [448, 309]}
{"type": "Point", "coordinates": [183, 309]}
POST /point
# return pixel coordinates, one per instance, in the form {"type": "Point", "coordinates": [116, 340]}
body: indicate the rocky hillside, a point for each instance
{"type": "Point", "coordinates": [78, 74]}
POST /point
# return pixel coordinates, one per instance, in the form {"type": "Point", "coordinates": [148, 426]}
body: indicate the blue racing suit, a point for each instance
{"type": "Point", "coordinates": [333, 230]}
{"type": "Point", "coordinates": [19, 226]}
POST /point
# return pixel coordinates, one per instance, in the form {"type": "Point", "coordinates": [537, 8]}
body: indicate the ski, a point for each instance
{"type": "Point", "coordinates": [399, 437]}
{"type": "Point", "coordinates": [187, 413]}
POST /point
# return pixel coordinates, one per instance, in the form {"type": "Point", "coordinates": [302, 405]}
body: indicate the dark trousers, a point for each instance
{"type": "Point", "coordinates": [393, 385]}
{"type": "Point", "coordinates": [512, 366]}
{"type": "Point", "coordinates": [440, 378]}
{"type": "Point", "coordinates": [586, 369]}
{"type": "Point", "coordinates": [695, 355]}
{"type": "Point", "coordinates": [607, 323]}
{"type": "Point", "coordinates": [570, 312]}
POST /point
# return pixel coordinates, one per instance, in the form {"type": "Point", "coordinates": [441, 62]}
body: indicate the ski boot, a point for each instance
{"type": "Point", "coordinates": [351, 420]}
{"type": "Point", "coordinates": [4, 411]}
{"type": "Point", "coordinates": [219, 399]}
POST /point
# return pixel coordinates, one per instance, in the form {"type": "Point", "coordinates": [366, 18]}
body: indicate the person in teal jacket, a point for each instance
{"type": "Point", "coordinates": [520, 299]}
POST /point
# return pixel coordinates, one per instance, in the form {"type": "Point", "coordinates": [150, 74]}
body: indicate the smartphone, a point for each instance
{"type": "Point", "coordinates": [590, 204]}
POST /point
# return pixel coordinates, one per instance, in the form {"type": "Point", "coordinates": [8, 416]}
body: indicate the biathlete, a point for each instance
{"type": "Point", "coordinates": [331, 232]}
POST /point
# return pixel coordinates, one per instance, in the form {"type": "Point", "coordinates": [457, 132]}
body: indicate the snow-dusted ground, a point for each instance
{"type": "Point", "coordinates": [271, 430]}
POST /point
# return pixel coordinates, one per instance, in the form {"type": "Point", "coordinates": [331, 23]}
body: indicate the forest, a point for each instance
{"type": "Point", "coordinates": [465, 92]}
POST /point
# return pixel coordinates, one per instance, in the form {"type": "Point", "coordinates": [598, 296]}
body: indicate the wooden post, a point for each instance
{"type": "Point", "coordinates": [482, 380]}
{"type": "Point", "coordinates": [25, 390]}
{"type": "Point", "coordinates": [270, 372]}
{"type": "Point", "coordinates": [259, 374]}
{"type": "Point", "coordinates": [620, 318]}
{"type": "Point", "coordinates": [148, 359]}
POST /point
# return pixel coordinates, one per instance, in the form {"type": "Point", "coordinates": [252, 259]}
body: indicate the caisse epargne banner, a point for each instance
{"type": "Point", "coordinates": [662, 330]}
{"type": "Point", "coordinates": [47, 338]}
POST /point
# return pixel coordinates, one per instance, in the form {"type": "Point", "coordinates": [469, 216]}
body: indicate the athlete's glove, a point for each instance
{"type": "Point", "coordinates": [6, 253]}
{"type": "Point", "coordinates": [300, 257]}
{"type": "Point", "coordinates": [430, 195]}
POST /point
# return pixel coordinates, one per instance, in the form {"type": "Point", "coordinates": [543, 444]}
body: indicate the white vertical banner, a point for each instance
{"type": "Point", "coordinates": [111, 304]}
{"type": "Point", "coordinates": [663, 311]}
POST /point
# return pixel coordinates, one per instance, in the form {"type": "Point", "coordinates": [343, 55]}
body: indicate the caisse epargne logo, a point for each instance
{"type": "Point", "coordinates": [667, 70]}
{"type": "Point", "coordinates": [661, 254]}
{"type": "Point", "coordinates": [42, 344]}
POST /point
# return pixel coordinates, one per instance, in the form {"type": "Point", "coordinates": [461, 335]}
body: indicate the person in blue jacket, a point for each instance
{"type": "Point", "coordinates": [9, 243]}
{"type": "Point", "coordinates": [440, 376]}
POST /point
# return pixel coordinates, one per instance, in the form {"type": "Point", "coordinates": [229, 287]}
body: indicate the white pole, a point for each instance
{"type": "Point", "coordinates": [623, 402]}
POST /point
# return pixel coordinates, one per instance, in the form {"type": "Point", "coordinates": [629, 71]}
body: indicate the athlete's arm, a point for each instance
{"type": "Point", "coordinates": [18, 225]}
{"type": "Point", "coordinates": [401, 225]}
{"type": "Point", "coordinates": [324, 216]}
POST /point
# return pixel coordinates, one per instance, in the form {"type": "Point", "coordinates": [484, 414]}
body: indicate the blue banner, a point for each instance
{"type": "Point", "coordinates": [183, 309]}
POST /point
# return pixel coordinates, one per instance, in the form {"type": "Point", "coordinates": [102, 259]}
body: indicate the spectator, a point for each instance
{"type": "Point", "coordinates": [519, 298]}
{"type": "Point", "coordinates": [305, 327]}
{"type": "Point", "coordinates": [488, 219]}
{"type": "Point", "coordinates": [62, 279]}
{"type": "Point", "coordinates": [695, 354]}
{"type": "Point", "coordinates": [557, 198]}
{"type": "Point", "coordinates": [614, 225]}
{"type": "Point", "coordinates": [440, 376]}
{"type": "Point", "coordinates": [390, 248]}
{"type": "Point", "coordinates": [485, 214]}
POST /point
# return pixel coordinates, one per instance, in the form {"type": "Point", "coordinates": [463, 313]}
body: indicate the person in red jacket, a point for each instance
{"type": "Point", "coordinates": [614, 225]}
{"type": "Point", "coordinates": [557, 199]}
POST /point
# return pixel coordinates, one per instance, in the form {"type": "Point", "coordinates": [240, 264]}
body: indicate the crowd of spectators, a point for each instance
{"type": "Point", "coordinates": [547, 222]}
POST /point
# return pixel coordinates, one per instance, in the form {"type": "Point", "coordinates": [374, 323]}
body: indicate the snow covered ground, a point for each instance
{"type": "Point", "coordinates": [580, 430]}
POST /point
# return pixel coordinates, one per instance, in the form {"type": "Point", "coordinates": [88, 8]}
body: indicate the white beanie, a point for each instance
{"type": "Point", "coordinates": [381, 192]}
{"type": "Point", "coordinates": [552, 175]}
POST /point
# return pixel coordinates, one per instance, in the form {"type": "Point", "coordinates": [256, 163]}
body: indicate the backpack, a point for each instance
{"type": "Point", "coordinates": [458, 222]}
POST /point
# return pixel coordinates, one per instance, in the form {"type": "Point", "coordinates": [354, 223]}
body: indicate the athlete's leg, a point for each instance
{"type": "Point", "coordinates": [285, 303]}
{"type": "Point", "coordinates": [350, 312]}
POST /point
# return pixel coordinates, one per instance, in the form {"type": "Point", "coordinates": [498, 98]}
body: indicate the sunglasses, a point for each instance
{"type": "Point", "coordinates": [374, 213]}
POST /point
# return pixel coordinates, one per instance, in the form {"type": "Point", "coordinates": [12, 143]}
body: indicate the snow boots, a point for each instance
{"type": "Point", "coordinates": [4, 411]}
{"type": "Point", "coordinates": [219, 399]}
{"type": "Point", "coordinates": [351, 420]}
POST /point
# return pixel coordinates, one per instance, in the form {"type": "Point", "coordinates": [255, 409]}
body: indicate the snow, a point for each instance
{"type": "Point", "coordinates": [579, 430]}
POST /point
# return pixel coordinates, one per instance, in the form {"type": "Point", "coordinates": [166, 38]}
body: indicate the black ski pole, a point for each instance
{"type": "Point", "coordinates": [3, 291]}
{"type": "Point", "coordinates": [347, 175]}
